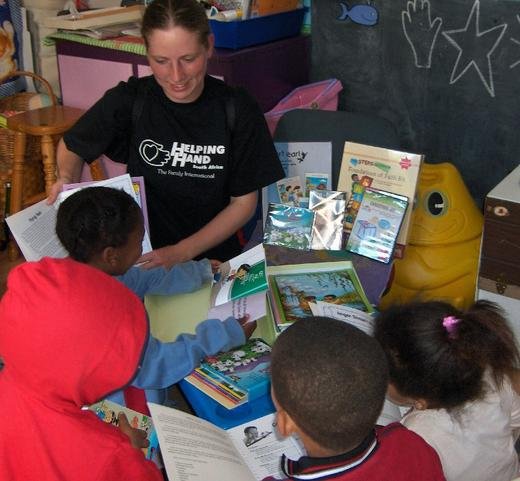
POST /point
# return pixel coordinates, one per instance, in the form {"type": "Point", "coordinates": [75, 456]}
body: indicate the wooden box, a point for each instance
{"type": "Point", "coordinates": [499, 271]}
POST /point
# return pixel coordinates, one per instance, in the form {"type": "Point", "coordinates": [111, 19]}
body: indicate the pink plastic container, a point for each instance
{"type": "Point", "coordinates": [321, 95]}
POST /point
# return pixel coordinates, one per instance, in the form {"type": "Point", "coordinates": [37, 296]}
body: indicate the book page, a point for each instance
{"type": "Point", "coordinates": [361, 320]}
{"type": "Point", "coordinates": [262, 447]}
{"type": "Point", "coordinates": [194, 449]}
{"type": "Point", "coordinates": [34, 230]}
{"type": "Point", "coordinates": [254, 305]}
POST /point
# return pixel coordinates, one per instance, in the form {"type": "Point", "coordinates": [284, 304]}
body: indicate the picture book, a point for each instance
{"type": "Point", "coordinates": [236, 376]}
{"type": "Point", "coordinates": [290, 190]}
{"type": "Point", "coordinates": [289, 226]}
{"type": "Point", "coordinates": [390, 170]}
{"type": "Point", "coordinates": [108, 411]}
{"type": "Point", "coordinates": [241, 276]}
{"type": "Point", "coordinates": [292, 287]}
{"type": "Point", "coordinates": [329, 211]}
{"type": "Point", "coordinates": [297, 159]}
{"type": "Point", "coordinates": [315, 181]}
{"type": "Point", "coordinates": [34, 228]}
{"type": "Point", "coordinates": [354, 202]}
{"type": "Point", "coordinates": [194, 449]}
{"type": "Point", "coordinates": [377, 224]}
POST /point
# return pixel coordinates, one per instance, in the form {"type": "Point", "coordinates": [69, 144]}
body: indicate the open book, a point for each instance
{"type": "Point", "coordinates": [241, 276]}
{"type": "Point", "coordinates": [196, 450]}
{"type": "Point", "coordinates": [34, 228]}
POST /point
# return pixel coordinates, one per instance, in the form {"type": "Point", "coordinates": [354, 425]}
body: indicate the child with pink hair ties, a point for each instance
{"type": "Point", "coordinates": [457, 372]}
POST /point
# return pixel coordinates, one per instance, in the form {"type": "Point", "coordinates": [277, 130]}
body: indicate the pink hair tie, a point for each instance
{"type": "Point", "coordinates": [449, 322]}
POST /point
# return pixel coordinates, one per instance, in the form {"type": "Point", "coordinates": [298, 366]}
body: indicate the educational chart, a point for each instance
{"type": "Point", "coordinates": [444, 72]}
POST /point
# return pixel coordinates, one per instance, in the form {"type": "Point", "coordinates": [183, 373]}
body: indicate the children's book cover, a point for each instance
{"type": "Point", "coordinates": [391, 171]}
{"type": "Point", "coordinates": [316, 181]}
{"type": "Point", "coordinates": [239, 375]}
{"type": "Point", "coordinates": [239, 277]}
{"type": "Point", "coordinates": [289, 226]}
{"type": "Point", "coordinates": [108, 411]}
{"type": "Point", "coordinates": [377, 224]}
{"type": "Point", "coordinates": [294, 286]}
{"type": "Point", "coordinates": [290, 190]}
{"type": "Point", "coordinates": [297, 159]}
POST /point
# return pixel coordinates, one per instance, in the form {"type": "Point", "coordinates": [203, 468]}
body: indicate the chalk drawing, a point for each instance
{"type": "Point", "coordinates": [420, 32]}
{"type": "Point", "coordinates": [479, 58]}
{"type": "Point", "coordinates": [514, 40]}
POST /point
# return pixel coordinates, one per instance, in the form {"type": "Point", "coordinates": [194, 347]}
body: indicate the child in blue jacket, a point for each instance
{"type": "Point", "coordinates": [104, 228]}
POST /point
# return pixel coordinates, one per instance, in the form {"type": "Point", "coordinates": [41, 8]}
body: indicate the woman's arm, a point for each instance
{"type": "Point", "coordinates": [69, 166]}
{"type": "Point", "coordinates": [220, 228]}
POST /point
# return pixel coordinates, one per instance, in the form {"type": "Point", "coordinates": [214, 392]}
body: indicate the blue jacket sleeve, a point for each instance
{"type": "Point", "coordinates": [181, 278]}
{"type": "Point", "coordinates": [166, 363]}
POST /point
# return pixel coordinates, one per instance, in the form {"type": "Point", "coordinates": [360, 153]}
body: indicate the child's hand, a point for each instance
{"type": "Point", "coordinates": [248, 327]}
{"type": "Point", "coordinates": [137, 436]}
{"type": "Point", "coordinates": [215, 264]}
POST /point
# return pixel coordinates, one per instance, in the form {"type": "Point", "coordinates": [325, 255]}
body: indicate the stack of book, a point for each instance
{"type": "Point", "coordinates": [234, 377]}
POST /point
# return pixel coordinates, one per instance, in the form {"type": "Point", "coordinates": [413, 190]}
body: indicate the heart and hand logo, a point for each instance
{"type": "Point", "coordinates": [153, 153]}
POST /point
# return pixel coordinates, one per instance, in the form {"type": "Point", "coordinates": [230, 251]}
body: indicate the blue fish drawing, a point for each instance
{"type": "Point", "coordinates": [362, 14]}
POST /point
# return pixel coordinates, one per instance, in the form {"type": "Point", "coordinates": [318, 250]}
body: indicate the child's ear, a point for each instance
{"type": "Point", "coordinates": [285, 424]}
{"type": "Point", "coordinates": [110, 256]}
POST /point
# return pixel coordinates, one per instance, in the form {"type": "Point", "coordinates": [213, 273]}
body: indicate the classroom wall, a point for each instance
{"type": "Point", "coordinates": [445, 72]}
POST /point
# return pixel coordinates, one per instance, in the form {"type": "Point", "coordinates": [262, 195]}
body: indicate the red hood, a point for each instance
{"type": "Point", "coordinates": [69, 333]}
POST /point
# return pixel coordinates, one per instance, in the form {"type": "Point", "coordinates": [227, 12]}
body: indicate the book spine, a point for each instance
{"type": "Point", "coordinates": [221, 381]}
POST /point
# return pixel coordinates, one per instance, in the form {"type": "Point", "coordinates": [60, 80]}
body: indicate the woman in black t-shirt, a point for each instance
{"type": "Point", "coordinates": [202, 147]}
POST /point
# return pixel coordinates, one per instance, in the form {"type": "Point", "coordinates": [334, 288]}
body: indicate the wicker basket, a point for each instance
{"type": "Point", "coordinates": [33, 170]}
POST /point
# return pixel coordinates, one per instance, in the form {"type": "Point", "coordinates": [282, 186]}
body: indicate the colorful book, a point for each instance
{"type": "Point", "coordinates": [290, 190]}
{"type": "Point", "coordinates": [108, 411]}
{"type": "Point", "coordinates": [236, 376]}
{"type": "Point", "coordinates": [298, 159]}
{"type": "Point", "coordinates": [293, 287]}
{"type": "Point", "coordinates": [391, 171]}
{"type": "Point", "coordinates": [239, 277]}
{"type": "Point", "coordinates": [289, 226]}
{"type": "Point", "coordinates": [377, 225]}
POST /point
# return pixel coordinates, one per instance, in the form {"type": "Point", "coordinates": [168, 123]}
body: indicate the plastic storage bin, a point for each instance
{"type": "Point", "coordinates": [321, 95]}
{"type": "Point", "coordinates": [253, 31]}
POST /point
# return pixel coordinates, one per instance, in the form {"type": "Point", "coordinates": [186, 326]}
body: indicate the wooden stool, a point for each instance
{"type": "Point", "coordinates": [44, 122]}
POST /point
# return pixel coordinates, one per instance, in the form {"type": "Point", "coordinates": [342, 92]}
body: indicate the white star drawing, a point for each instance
{"type": "Point", "coordinates": [514, 40]}
{"type": "Point", "coordinates": [471, 37]}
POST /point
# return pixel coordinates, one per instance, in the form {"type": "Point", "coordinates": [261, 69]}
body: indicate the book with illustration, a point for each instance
{"type": "Point", "coordinates": [377, 225]}
{"type": "Point", "coordinates": [194, 449]}
{"type": "Point", "coordinates": [108, 411]}
{"type": "Point", "coordinates": [290, 190]}
{"type": "Point", "coordinates": [293, 287]}
{"type": "Point", "coordinates": [289, 226]}
{"type": "Point", "coordinates": [236, 376]}
{"type": "Point", "coordinates": [390, 170]}
{"type": "Point", "coordinates": [241, 276]}
{"type": "Point", "coordinates": [299, 159]}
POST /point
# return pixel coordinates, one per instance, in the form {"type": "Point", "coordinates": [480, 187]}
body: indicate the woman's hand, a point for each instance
{"type": "Point", "coordinates": [137, 436]}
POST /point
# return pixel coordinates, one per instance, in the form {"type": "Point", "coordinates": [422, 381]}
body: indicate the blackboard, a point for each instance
{"type": "Point", "coordinates": [446, 73]}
